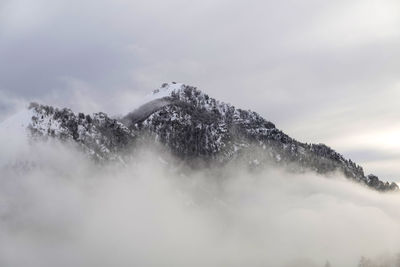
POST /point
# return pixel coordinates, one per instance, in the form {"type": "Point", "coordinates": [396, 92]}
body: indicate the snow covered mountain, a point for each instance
{"type": "Point", "coordinates": [195, 128]}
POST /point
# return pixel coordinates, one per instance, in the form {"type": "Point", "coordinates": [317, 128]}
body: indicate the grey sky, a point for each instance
{"type": "Point", "coordinates": [322, 71]}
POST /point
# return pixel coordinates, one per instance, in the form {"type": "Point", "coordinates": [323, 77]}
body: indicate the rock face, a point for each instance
{"type": "Point", "coordinates": [100, 136]}
{"type": "Point", "coordinates": [194, 127]}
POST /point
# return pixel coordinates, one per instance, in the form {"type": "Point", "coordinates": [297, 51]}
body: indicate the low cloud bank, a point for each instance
{"type": "Point", "coordinates": [57, 208]}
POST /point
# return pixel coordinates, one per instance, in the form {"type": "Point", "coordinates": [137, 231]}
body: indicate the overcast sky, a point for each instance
{"type": "Point", "coordinates": [322, 71]}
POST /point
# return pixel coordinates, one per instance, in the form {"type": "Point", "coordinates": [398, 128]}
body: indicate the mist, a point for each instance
{"type": "Point", "coordinates": [59, 208]}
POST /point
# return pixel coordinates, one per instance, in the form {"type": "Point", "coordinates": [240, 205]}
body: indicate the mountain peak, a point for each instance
{"type": "Point", "coordinates": [165, 90]}
{"type": "Point", "coordinates": [168, 88]}
{"type": "Point", "coordinates": [194, 127]}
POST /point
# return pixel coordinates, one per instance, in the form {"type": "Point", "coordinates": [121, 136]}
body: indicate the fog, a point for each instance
{"type": "Point", "coordinates": [59, 208]}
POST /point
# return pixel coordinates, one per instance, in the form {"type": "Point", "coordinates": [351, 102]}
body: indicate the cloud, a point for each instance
{"type": "Point", "coordinates": [10, 105]}
{"type": "Point", "coordinates": [60, 209]}
{"type": "Point", "coordinates": [299, 64]}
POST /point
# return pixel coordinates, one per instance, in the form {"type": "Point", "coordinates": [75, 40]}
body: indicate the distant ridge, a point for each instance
{"type": "Point", "coordinates": [194, 127]}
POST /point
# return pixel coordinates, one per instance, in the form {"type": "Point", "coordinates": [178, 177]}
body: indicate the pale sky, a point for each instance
{"type": "Point", "coordinates": [322, 71]}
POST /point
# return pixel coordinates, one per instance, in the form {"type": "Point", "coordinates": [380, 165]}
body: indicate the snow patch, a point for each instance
{"type": "Point", "coordinates": [164, 91]}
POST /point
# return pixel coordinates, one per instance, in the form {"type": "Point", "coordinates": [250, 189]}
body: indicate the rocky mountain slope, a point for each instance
{"type": "Point", "coordinates": [194, 127]}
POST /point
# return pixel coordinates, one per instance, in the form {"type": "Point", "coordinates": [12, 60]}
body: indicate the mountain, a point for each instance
{"type": "Point", "coordinates": [195, 128]}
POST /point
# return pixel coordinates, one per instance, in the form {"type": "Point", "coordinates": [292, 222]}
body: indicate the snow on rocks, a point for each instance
{"type": "Point", "coordinates": [193, 126]}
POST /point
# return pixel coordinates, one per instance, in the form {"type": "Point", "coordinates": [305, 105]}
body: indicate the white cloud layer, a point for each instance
{"type": "Point", "coordinates": [60, 209]}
